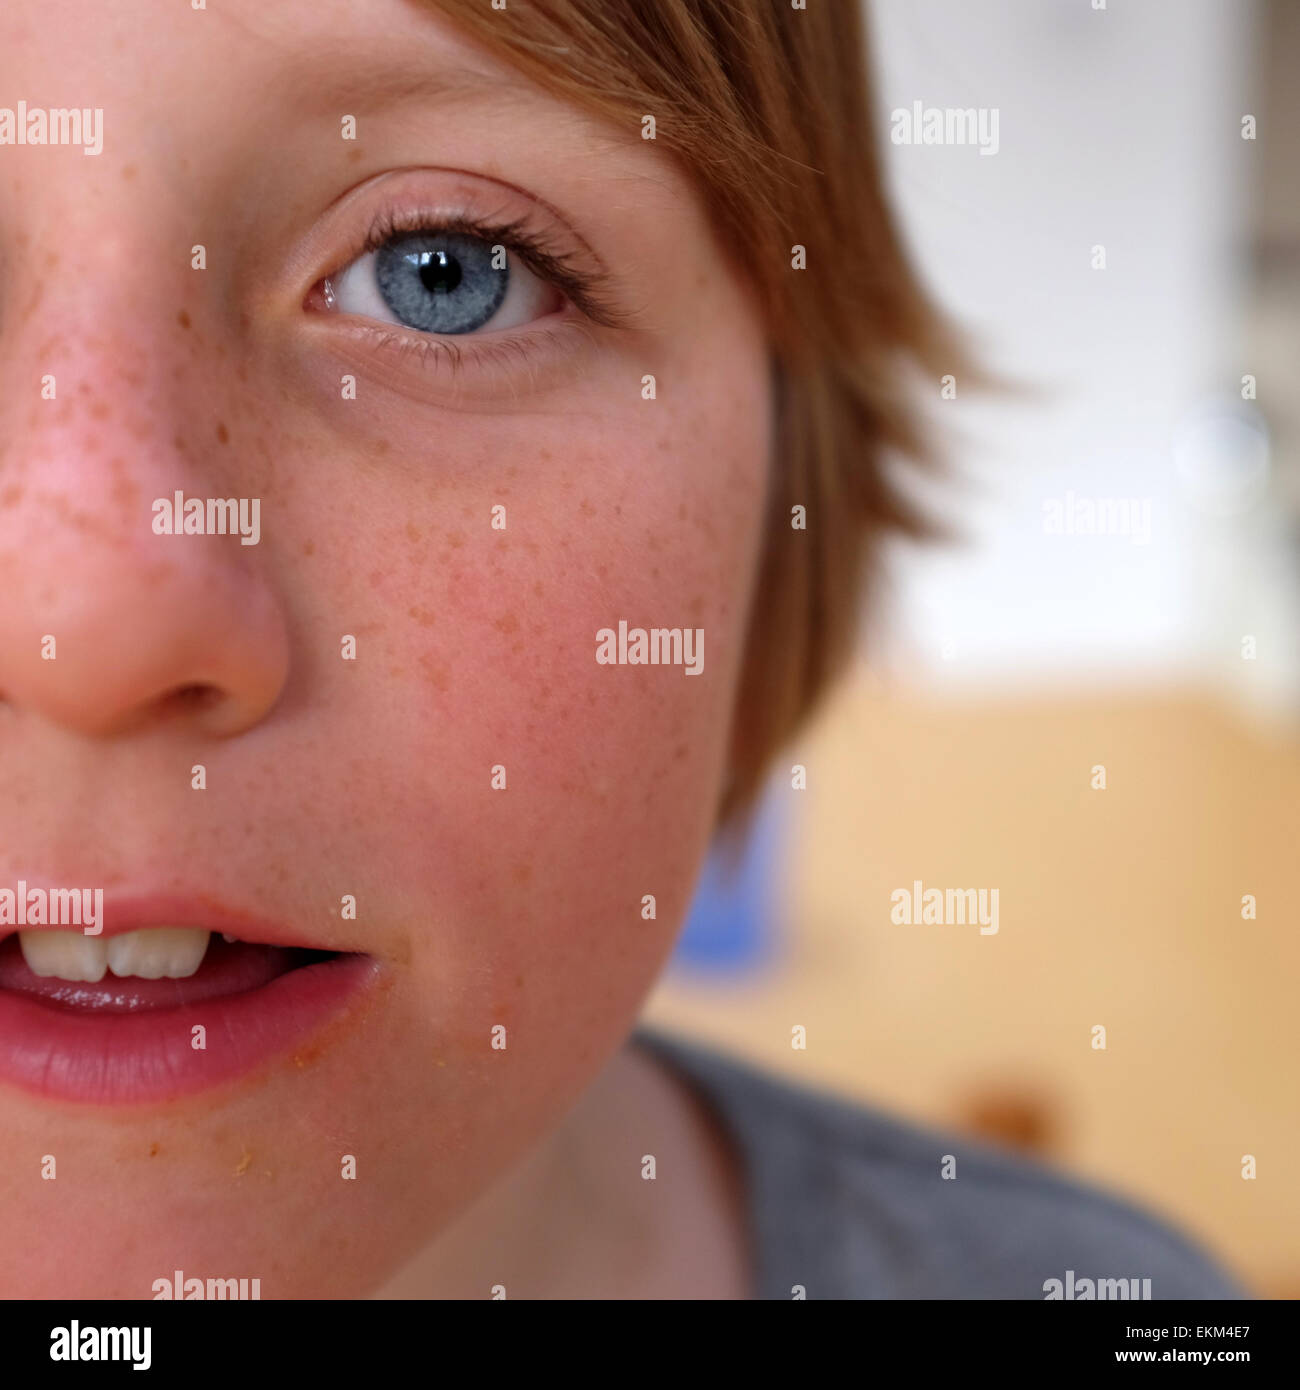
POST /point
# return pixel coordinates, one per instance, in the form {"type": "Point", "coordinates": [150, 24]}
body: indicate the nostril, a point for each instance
{"type": "Point", "coordinates": [191, 699]}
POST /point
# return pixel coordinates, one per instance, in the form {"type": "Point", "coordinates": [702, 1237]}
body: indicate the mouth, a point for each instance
{"type": "Point", "coordinates": [151, 1013]}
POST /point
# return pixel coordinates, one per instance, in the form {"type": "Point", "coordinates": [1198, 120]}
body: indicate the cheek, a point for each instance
{"type": "Point", "coordinates": [480, 667]}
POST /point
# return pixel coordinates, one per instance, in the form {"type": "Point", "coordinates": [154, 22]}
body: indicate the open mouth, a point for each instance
{"type": "Point", "coordinates": [158, 1012]}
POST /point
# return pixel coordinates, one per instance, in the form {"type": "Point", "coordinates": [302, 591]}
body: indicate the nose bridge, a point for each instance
{"type": "Point", "coordinates": [90, 335]}
{"type": "Point", "coordinates": [103, 621]}
{"type": "Point", "coordinates": [95, 433]}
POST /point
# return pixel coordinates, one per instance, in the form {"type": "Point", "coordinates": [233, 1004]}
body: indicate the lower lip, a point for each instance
{"type": "Point", "coordinates": [147, 1055]}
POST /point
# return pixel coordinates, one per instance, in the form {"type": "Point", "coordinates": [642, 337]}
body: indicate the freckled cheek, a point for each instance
{"type": "Point", "coordinates": [612, 770]}
{"type": "Point", "coordinates": [498, 628]}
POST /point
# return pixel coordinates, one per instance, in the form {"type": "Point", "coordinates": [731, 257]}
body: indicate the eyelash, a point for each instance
{"type": "Point", "coordinates": [586, 288]}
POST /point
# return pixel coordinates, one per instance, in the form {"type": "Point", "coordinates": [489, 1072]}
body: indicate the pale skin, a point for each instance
{"type": "Point", "coordinates": [519, 908]}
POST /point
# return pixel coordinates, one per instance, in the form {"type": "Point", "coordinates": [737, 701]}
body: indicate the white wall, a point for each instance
{"type": "Point", "coordinates": [1120, 128]}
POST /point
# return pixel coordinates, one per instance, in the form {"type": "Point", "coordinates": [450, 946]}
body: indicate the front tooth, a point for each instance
{"type": "Point", "coordinates": [67, 955]}
{"type": "Point", "coordinates": [158, 953]}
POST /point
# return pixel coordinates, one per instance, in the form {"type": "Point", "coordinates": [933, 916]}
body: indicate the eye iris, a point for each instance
{"type": "Point", "coordinates": [440, 284]}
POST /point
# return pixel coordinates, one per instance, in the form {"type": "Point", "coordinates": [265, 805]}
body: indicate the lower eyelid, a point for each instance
{"type": "Point", "coordinates": [476, 367]}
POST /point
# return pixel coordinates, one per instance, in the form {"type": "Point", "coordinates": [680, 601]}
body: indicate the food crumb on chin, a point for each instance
{"type": "Point", "coordinates": [244, 1163]}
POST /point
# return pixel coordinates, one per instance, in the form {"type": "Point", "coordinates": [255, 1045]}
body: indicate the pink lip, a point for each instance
{"type": "Point", "coordinates": [140, 1050]}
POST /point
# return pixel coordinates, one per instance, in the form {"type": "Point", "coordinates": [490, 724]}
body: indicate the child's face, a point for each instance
{"type": "Point", "coordinates": [519, 908]}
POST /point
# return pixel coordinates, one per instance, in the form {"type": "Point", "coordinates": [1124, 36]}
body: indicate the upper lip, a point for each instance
{"type": "Point", "coordinates": [201, 911]}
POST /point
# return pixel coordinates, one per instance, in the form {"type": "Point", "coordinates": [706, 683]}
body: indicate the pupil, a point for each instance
{"type": "Point", "coordinates": [439, 272]}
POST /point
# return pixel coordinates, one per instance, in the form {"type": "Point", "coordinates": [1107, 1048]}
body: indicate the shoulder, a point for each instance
{"type": "Point", "coordinates": [847, 1203]}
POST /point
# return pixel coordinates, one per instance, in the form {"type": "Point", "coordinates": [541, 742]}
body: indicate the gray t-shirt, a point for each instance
{"type": "Point", "coordinates": [845, 1203]}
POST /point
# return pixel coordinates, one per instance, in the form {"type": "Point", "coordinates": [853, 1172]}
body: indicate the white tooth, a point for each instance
{"type": "Point", "coordinates": [228, 939]}
{"type": "Point", "coordinates": [158, 953]}
{"type": "Point", "coordinates": [66, 955]}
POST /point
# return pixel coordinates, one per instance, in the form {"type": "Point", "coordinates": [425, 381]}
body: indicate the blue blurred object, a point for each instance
{"type": "Point", "coordinates": [731, 928]}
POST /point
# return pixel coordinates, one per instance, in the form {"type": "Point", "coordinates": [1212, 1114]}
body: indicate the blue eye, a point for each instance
{"type": "Point", "coordinates": [443, 282]}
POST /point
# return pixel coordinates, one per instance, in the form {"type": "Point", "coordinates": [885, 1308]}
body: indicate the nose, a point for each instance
{"type": "Point", "coordinates": [106, 626]}
{"type": "Point", "coordinates": [105, 643]}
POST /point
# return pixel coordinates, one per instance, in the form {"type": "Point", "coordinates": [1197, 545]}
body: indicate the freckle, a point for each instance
{"type": "Point", "coordinates": [696, 606]}
{"type": "Point", "coordinates": [438, 672]}
{"type": "Point", "coordinates": [178, 444]}
{"type": "Point", "coordinates": [34, 302]}
{"type": "Point", "coordinates": [618, 511]}
{"type": "Point", "coordinates": [183, 319]}
{"type": "Point", "coordinates": [586, 508]}
{"type": "Point", "coordinates": [507, 622]}
{"type": "Point", "coordinates": [537, 588]}
{"type": "Point", "coordinates": [354, 156]}
{"type": "Point", "coordinates": [382, 446]}
{"type": "Point", "coordinates": [523, 872]}
{"type": "Point", "coordinates": [602, 571]}
{"type": "Point", "coordinates": [309, 548]}
{"type": "Point", "coordinates": [422, 616]}
{"type": "Point", "coordinates": [375, 578]}
{"type": "Point", "coordinates": [155, 1149]}
{"type": "Point", "coordinates": [83, 388]}
{"type": "Point", "coordinates": [100, 411]}
{"type": "Point", "coordinates": [223, 434]}
{"type": "Point", "coordinates": [455, 539]}
{"type": "Point", "coordinates": [681, 511]}
{"type": "Point", "coordinates": [413, 532]}
{"type": "Point", "coordinates": [546, 455]}
{"type": "Point", "coordinates": [11, 496]}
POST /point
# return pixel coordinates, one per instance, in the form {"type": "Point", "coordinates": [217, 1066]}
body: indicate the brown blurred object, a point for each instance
{"type": "Point", "coordinates": [1015, 1119]}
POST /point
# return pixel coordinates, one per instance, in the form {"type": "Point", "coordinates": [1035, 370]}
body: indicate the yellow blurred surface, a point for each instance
{"type": "Point", "coordinates": [1120, 907]}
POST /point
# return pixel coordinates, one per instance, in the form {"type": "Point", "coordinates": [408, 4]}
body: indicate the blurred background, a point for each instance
{"type": "Point", "coordinates": [1125, 597]}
